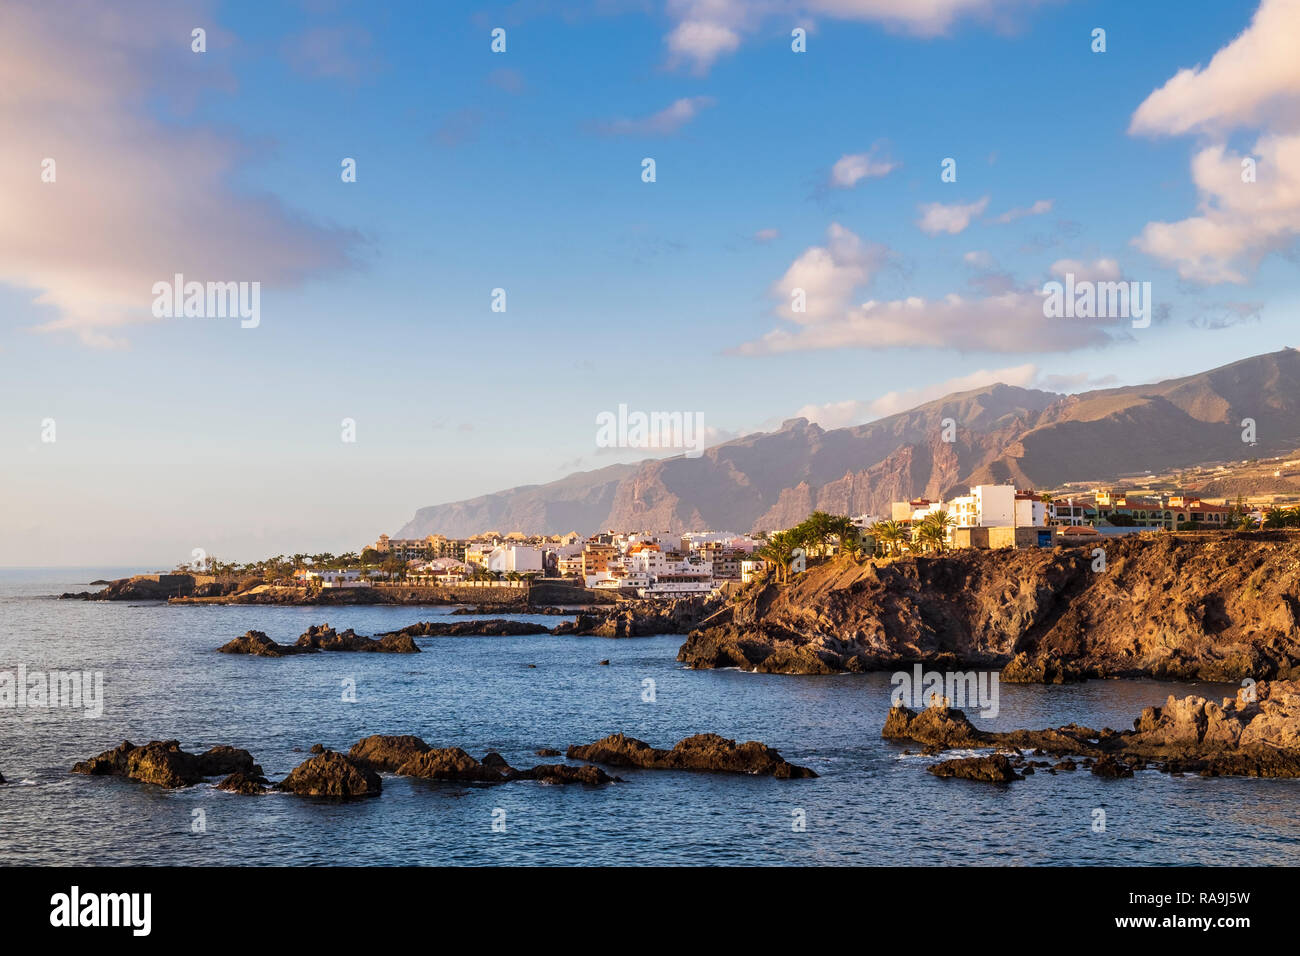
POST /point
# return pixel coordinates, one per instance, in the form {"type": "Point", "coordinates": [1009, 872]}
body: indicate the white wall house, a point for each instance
{"type": "Point", "coordinates": [519, 558]}
{"type": "Point", "coordinates": [1030, 512]}
{"type": "Point", "coordinates": [987, 506]}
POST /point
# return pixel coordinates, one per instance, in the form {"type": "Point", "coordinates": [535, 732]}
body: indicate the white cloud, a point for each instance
{"type": "Point", "coordinates": [1020, 212]}
{"type": "Point", "coordinates": [135, 200]}
{"type": "Point", "coordinates": [1072, 382]}
{"type": "Point", "coordinates": [852, 168]}
{"type": "Point", "coordinates": [1099, 270]}
{"type": "Point", "coordinates": [979, 259]}
{"type": "Point", "coordinates": [1253, 80]}
{"type": "Point", "coordinates": [936, 217]}
{"type": "Point", "coordinates": [856, 412]}
{"type": "Point", "coordinates": [663, 123]}
{"type": "Point", "coordinates": [1239, 223]}
{"type": "Point", "coordinates": [700, 42]}
{"type": "Point", "coordinates": [708, 29]}
{"type": "Point", "coordinates": [767, 235]}
{"type": "Point", "coordinates": [1004, 318]}
{"type": "Point", "coordinates": [828, 275]}
{"type": "Point", "coordinates": [1010, 322]}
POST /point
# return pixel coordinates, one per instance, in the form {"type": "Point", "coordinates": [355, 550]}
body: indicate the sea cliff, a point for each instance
{"type": "Point", "coordinates": [1191, 607]}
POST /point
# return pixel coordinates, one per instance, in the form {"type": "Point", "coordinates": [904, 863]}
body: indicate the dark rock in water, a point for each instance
{"type": "Point", "coordinates": [547, 752]}
{"type": "Point", "coordinates": [162, 762]}
{"type": "Point", "coordinates": [1246, 762]}
{"type": "Point", "coordinates": [995, 768]}
{"type": "Point", "coordinates": [450, 763]}
{"type": "Point", "coordinates": [605, 662]}
{"type": "Point", "coordinates": [223, 760]}
{"type": "Point", "coordinates": [386, 753]}
{"type": "Point", "coordinates": [409, 756]}
{"type": "Point", "coordinates": [496, 627]}
{"type": "Point", "coordinates": [244, 783]}
{"type": "Point", "coordinates": [563, 773]}
{"type": "Point", "coordinates": [1110, 767]}
{"type": "Point", "coordinates": [1048, 669]}
{"type": "Point", "coordinates": [317, 749]}
{"type": "Point", "coordinates": [333, 775]}
{"type": "Point", "coordinates": [644, 618]}
{"type": "Point", "coordinates": [324, 638]}
{"type": "Point", "coordinates": [942, 727]}
{"type": "Point", "coordinates": [319, 637]}
{"type": "Point", "coordinates": [2, 778]}
{"type": "Point", "coordinates": [1257, 734]}
{"type": "Point", "coordinates": [259, 645]}
{"type": "Point", "coordinates": [701, 752]}
{"type": "Point", "coordinates": [495, 761]}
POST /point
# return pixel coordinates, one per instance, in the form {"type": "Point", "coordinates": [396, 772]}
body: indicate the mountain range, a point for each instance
{"type": "Point", "coordinates": [998, 433]}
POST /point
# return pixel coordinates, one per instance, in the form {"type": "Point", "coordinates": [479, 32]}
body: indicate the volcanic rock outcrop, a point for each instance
{"type": "Point", "coordinates": [1176, 607]}
{"type": "Point", "coordinates": [320, 637]}
{"type": "Point", "coordinates": [701, 752]}
{"type": "Point", "coordinates": [644, 618]}
{"type": "Point", "coordinates": [496, 627]}
{"type": "Point", "coordinates": [1255, 734]}
{"type": "Point", "coordinates": [331, 775]}
{"type": "Point", "coordinates": [995, 768]}
{"type": "Point", "coordinates": [409, 756]}
{"type": "Point", "coordinates": [162, 762]}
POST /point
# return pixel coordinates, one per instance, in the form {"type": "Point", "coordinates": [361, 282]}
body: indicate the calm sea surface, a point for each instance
{"type": "Point", "coordinates": [871, 805]}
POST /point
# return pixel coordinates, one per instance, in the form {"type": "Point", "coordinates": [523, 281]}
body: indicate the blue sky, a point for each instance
{"type": "Point", "coordinates": [522, 170]}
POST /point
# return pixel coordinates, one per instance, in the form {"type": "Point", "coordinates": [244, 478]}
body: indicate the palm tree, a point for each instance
{"type": "Point", "coordinates": [778, 553]}
{"type": "Point", "coordinates": [890, 534]}
{"type": "Point", "coordinates": [934, 529]}
{"type": "Point", "coordinates": [1275, 517]}
{"type": "Point", "coordinates": [842, 528]}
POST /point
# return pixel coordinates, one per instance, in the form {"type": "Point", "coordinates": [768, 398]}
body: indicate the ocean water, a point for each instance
{"type": "Point", "coordinates": [871, 804]}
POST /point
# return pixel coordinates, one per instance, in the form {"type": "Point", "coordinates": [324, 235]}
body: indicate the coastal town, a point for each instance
{"type": "Point", "coordinates": [673, 564]}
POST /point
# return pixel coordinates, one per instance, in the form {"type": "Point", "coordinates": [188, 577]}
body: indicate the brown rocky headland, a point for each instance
{"type": "Point", "coordinates": [1169, 606]}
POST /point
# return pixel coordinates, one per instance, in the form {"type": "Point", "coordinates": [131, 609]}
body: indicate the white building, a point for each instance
{"type": "Point", "coordinates": [505, 558]}
{"type": "Point", "coordinates": [987, 506]}
{"type": "Point", "coordinates": [1030, 511]}
{"type": "Point", "coordinates": [997, 506]}
{"type": "Point", "coordinates": [920, 514]}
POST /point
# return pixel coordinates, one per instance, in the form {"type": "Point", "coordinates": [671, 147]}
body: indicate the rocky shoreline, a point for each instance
{"type": "Point", "coordinates": [192, 588]}
{"type": "Point", "coordinates": [495, 627]}
{"type": "Point", "coordinates": [1219, 608]}
{"type": "Point", "coordinates": [644, 618]}
{"type": "Point", "coordinates": [356, 774]}
{"type": "Point", "coordinates": [1255, 734]}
